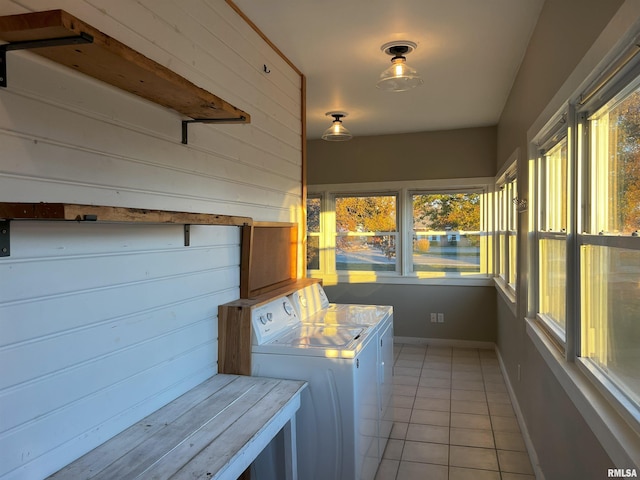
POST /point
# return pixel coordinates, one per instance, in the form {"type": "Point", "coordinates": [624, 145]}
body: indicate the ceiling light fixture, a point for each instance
{"type": "Point", "coordinates": [399, 76]}
{"type": "Point", "coordinates": [337, 132]}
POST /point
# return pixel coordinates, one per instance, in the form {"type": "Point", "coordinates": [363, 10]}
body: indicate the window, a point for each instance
{"type": "Point", "coordinates": [366, 232]}
{"type": "Point", "coordinates": [405, 230]}
{"type": "Point", "coordinates": [313, 232]}
{"type": "Point", "coordinates": [609, 250]}
{"type": "Point", "coordinates": [446, 232]}
{"type": "Point", "coordinates": [551, 231]}
{"type": "Point", "coordinates": [506, 228]}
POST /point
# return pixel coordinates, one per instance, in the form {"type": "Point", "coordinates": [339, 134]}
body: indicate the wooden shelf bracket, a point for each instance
{"type": "Point", "coordinates": [30, 44]}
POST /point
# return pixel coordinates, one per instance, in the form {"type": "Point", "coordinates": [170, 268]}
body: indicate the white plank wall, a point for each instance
{"type": "Point", "coordinates": [101, 324]}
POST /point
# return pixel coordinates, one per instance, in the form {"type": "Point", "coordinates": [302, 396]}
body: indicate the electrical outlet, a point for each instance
{"type": "Point", "coordinates": [441, 318]}
{"type": "Point", "coordinates": [433, 318]}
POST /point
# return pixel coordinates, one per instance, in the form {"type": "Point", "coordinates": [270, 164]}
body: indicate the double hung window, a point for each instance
{"type": "Point", "coordinates": [446, 232]}
{"type": "Point", "coordinates": [506, 229]}
{"type": "Point", "coordinates": [313, 232]}
{"type": "Point", "coordinates": [609, 248]}
{"type": "Point", "coordinates": [406, 230]}
{"type": "Point", "coordinates": [366, 232]}
{"type": "Point", "coordinates": [551, 231]}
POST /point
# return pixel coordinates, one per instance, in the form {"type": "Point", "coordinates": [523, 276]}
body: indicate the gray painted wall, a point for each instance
{"type": "Point", "coordinates": [469, 312]}
{"type": "Point", "coordinates": [565, 445]}
{"type": "Point", "coordinates": [410, 156]}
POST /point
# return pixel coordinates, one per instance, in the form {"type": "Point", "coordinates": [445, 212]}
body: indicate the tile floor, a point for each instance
{"type": "Point", "coordinates": [453, 418]}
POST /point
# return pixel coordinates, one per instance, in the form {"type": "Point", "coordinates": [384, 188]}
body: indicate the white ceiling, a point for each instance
{"type": "Point", "coordinates": [468, 54]}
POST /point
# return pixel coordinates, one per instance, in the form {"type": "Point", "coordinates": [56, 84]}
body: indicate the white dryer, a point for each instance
{"type": "Point", "coordinates": [312, 305]}
{"type": "Point", "coordinates": [339, 362]}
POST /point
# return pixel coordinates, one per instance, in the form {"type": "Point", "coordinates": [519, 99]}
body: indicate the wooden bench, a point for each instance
{"type": "Point", "coordinates": [213, 431]}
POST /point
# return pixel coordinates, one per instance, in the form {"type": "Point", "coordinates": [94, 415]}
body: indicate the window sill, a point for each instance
{"type": "Point", "coordinates": [617, 437]}
{"type": "Point", "coordinates": [507, 294]}
{"type": "Point", "coordinates": [394, 279]}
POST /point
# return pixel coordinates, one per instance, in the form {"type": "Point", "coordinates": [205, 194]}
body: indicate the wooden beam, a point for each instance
{"type": "Point", "coordinates": [76, 212]}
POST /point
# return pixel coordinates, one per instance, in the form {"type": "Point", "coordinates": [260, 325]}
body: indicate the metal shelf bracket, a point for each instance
{"type": "Point", "coordinates": [185, 124]}
{"type": "Point", "coordinates": [5, 238]}
{"type": "Point", "coordinates": [29, 44]}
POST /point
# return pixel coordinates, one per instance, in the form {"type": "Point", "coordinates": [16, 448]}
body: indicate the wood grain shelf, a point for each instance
{"type": "Point", "coordinates": [77, 212]}
{"type": "Point", "coordinates": [98, 213]}
{"type": "Point", "coordinates": [110, 61]}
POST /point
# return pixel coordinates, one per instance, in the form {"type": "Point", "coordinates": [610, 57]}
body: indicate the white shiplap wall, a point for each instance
{"type": "Point", "coordinates": [100, 324]}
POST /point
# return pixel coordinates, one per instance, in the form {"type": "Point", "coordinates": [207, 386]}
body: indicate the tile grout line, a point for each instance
{"type": "Point", "coordinates": [485, 366]}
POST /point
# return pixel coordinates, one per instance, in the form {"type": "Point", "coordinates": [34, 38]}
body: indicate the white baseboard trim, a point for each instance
{"type": "Point", "coordinates": [445, 342]}
{"type": "Point", "coordinates": [533, 456]}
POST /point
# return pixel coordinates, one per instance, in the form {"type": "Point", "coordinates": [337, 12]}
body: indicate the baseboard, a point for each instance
{"type": "Point", "coordinates": [445, 342]}
{"type": "Point", "coordinates": [533, 456]}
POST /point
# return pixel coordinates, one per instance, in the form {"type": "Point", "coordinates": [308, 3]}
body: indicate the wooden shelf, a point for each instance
{"type": "Point", "coordinates": [110, 61]}
{"type": "Point", "coordinates": [76, 212]}
{"type": "Point", "coordinates": [98, 213]}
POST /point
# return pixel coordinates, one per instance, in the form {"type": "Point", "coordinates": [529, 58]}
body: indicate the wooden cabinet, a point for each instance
{"type": "Point", "coordinates": [269, 257]}
{"type": "Point", "coordinates": [235, 331]}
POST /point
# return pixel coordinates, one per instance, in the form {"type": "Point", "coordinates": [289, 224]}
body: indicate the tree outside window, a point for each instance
{"type": "Point", "coordinates": [446, 232]}
{"type": "Point", "coordinates": [366, 232]}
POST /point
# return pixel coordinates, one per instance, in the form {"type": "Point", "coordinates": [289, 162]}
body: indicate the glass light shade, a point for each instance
{"type": "Point", "coordinates": [399, 77]}
{"type": "Point", "coordinates": [336, 132]}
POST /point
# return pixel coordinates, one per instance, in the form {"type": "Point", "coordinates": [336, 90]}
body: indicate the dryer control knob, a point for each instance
{"type": "Point", "coordinates": [287, 308]}
{"type": "Point", "coordinates": [263, 320]}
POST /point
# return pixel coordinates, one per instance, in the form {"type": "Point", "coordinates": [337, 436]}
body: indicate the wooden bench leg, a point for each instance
{"type": "Point", "coordinates": [290, 450]}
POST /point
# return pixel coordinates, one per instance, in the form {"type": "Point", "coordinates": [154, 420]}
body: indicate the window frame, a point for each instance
{"type": "Point", "coordinates": [608, 408]}
{"type": "Point", "coordinates": [506, 213]}
{"type": "Point", "coordinates": [403, 190]}
{"type": "Point", "coordinates": [397, 233]}
{"type": "Point", "coordinates": [309, 234]}
{"type": "Point", "coordinates": [613, 93]}
{"type": "Point", "coordinates": [482, 232]}
{"type": "Point", "coordinates": [557, 130]}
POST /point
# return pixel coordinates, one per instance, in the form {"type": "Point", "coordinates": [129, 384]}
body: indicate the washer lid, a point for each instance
{"type": "Point", "coordinates": [352, 314]}
{"type": "Point", "coordinates": [320, 336]}
{"type": "Point", "coordinates": [331, 341]}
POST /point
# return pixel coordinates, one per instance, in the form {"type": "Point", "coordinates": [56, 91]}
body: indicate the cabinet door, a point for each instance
{"type": "Point", "coordinates": [385, 370]}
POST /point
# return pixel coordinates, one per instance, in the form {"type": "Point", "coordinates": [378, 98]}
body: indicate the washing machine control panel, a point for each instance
{"type": "Point", "coordinates": [271, 319]}
{"type": "Point", "coordinates": [309, 300]}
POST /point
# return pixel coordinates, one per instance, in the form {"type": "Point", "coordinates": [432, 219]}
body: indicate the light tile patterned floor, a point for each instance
{"type": "Point", "coordinates": [453, 419]}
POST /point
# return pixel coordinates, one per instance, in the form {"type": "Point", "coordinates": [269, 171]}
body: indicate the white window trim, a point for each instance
{"type": "Point", "coordinates": [508, 171]}
{"type": "Point", "coordinates": [556, 123]}
{"type": "Point", "coordinates": [403, 189]}
{"type": "Point", "coordinates": [620, 440]}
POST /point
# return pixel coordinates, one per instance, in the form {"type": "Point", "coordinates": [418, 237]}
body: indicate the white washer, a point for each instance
{"type": "Point", "coordinates": [337, 421]}
{"type": "Point", "coordinates": [312, 305]}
